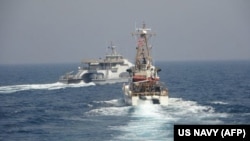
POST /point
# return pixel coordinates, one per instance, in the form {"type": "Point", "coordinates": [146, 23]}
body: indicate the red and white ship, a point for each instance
{"type": "Point", "coordinates": [145, 84]}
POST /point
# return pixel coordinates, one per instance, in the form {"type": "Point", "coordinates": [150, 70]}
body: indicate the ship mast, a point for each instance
{"type": "Point", "coordinates": [143, 59]}
{"type": "Point", "coordinates": [112, 47]}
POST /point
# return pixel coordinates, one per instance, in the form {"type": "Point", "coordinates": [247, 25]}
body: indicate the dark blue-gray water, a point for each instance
{"type": "Point", "coordinates": [35, 107]}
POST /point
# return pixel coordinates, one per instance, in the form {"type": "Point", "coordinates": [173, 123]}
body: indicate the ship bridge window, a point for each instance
{"type": "Point", "coordinates": [93, 67]}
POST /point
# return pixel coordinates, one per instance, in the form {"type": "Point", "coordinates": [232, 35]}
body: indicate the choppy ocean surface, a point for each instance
{"type": "Point", "coordinates": [34, 106]}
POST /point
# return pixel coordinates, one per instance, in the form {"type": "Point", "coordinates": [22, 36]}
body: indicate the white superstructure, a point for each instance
{"type": "Point", "coordinates": [145, 84]}
{"type": "Point", "coordinates": [111, 69]}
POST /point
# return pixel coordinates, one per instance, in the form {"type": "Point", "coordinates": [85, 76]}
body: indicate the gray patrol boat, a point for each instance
{"type": "Point", "coordinates": [111, 69]}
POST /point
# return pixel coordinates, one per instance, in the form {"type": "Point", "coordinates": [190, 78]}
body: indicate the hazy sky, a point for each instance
{"type": "Point", "coordinates": [58, 31]}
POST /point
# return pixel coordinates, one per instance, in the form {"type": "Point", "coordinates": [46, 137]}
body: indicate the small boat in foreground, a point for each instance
{"type": "Point", "coordinates": [144, 85]}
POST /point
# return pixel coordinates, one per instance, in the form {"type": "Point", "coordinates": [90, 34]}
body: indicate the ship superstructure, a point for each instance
{"type": "Point", "coordinates": [111, 69]}
{"type": "Point", "coordinates": [145, 84]}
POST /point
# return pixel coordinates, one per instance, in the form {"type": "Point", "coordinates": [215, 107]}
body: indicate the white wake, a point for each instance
{"type": "Point", "coordinates": [155, 122]}
{"type": "Point", "coordinates": [51, 86]}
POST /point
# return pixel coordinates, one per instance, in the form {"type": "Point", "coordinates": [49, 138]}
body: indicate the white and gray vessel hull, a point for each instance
{"type": "Point", "coordinates": [134, 100]}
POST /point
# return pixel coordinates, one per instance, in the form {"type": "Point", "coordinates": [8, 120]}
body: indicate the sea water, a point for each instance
{"type": "Point", "coordinates": [35, 106]}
